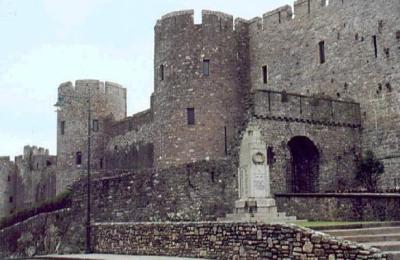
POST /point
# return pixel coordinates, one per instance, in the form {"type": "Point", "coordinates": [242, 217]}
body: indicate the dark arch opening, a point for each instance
{"type": "Point", "coordinates": [303, 174]}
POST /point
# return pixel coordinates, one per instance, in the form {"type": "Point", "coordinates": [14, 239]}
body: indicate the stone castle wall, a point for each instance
{"type": "Point", "coordinates": [181, 49]}
{"type": "Point", "coordinates": [28, 181]}
{"type": "Point", "coordinates": [341, 207]}
{"type": "Point", "coordinates": [290, 48]}
{"type": "Point", "coordinates": [201, 191]}
{"type": "Point", "coordinates": [333, 126]}
{"type": "Point", "coordinates": [108, 102]}
{"type": "Point", "coordinates": [35, 177]}
{"type": "Point", "coordinates": [352, 96]}
{"type": "Point", "coordinates": [131, 143]}
{"type": "Point", "coordinates": [7, 186]}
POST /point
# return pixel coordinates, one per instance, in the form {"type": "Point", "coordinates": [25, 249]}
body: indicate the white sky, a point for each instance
{"type": "Point", "coordinates": [46, 42]}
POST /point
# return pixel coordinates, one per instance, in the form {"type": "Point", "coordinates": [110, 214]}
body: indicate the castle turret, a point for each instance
{"type": "Point", "coordinates": [106, 100]}
{"type": "Point", "coordinates": [197, 91]}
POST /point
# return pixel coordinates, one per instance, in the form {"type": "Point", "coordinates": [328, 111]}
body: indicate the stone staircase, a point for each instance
{"type": "Point", "coordinates": [384, 236]}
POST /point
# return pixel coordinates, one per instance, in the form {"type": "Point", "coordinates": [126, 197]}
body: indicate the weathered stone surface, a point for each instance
{"type": "Point", "coordinates": [199, 191]}
{"type": "Point", "coordinates": [29, 179]}
{"type": "Point", "coordinates": [57, 232]}
{"type": "Point", "coordinates": [230, 241]}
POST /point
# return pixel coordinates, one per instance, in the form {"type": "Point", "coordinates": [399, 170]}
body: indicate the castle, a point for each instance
{"type": "Point", "coordinates": [320, 81]}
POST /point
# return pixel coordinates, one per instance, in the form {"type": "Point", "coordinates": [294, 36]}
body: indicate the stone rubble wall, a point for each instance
{"type": "Point", "coordinates": [214, 240]}
{"type": "Point", "coordinates": [48, 233]}
{"type": "Point", "coordinates": [199, 191]}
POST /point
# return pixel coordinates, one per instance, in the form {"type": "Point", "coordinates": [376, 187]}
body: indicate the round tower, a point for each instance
{"type": "Point", "coordinates": [106, 100]}
{"type": "Point", "coordinates": [197, 100]}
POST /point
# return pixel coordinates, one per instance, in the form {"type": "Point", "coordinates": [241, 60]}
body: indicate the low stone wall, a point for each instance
{"type": "Point", "coordinates": [214, 240]}
{"type": "Point", "coordinates": [341, 207]}
{"type": "Point", "coordinates": [48, 233]}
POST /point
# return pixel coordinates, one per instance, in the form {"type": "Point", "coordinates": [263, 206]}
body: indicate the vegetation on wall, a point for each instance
{"type": "Point", "coordinates": [369, 171]}
{"type": "Point", "coordinates": [63, 200]}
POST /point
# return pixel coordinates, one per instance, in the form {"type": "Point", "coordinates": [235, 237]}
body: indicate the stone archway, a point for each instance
{"type": "Point", "coordinates": [303, 175]}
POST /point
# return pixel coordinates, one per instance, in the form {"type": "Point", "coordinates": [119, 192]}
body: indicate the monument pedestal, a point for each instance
{"type": "Point", "coordinates": [258, 210]}
{"type": "Point", "coordinates": [256, 202]}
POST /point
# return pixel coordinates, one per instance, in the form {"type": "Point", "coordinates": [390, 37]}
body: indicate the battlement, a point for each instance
{"type": "Point", "coordinates": [183, 20]}
{"type": "Point", "coordinates": [5, 159]}
{"type": "Point", "coordinates": [284, 106]}
{"type": "Point", "coordinates": [302, 9]}
{"type": "Point", "coordinates": [278, 16]}
{"type": "Point", "coordinates": [82, 87]}
{"type": "Point", "coordinates": [35, 151]}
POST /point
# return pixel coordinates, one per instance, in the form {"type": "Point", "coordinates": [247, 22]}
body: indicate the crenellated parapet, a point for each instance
{"type": "Point", "coordinates": [184, 21]}
{"type": "Point", "coordinates": [282, 106]}
{"type": "Point", "coordinates": [278, 16]}
{"type": "Point", "coordinates": [82, 87]}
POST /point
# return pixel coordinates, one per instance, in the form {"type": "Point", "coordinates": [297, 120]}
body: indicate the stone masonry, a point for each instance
{"type": "Point", "coordinates": [27, 181]}
{"type": "Point", "coordinates": [322, 74]}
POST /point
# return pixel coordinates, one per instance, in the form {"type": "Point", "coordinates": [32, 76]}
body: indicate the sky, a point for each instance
{"type": "Point", "coordinates": [47, 42]}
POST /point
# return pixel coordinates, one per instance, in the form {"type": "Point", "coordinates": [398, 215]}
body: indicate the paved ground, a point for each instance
{"type": "Point", "coordinates": [109, 257]}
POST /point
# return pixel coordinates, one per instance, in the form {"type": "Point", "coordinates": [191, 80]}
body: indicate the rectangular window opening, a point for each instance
{"type": "Point", "coordinates": [206, 67]}
{"type": "Point", "coordinates": [11, 199]}
{"type": "Point", "coordinates": [321, 45]}
{"type": "Point", "coordinates": [309, 6]}
{"type": "Point", "coordinates": [375, 42]}
{"type": "Point", "coordinates": [9, 178]}
{"type": "Point", "coordinates": [226, 141]}
{"type": "Point", "coordinates": [78, 158]}
{"type": "Point", "coordinates": [265, 74]}
{"type": "Point", "coordinates": [62, 127]}
{"type": "Point", "coordinates": [95, 125]}
{"type": "Point", "coordinates": [162, 72]}
{"type": "Point", "coordinates": [190, 116]}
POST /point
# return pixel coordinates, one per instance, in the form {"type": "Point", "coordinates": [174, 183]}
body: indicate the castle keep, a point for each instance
{"type": "Point", "coordinates": [321, 82]}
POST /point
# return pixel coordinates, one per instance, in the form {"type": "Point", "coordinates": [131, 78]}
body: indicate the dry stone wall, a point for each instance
{"type": "Point", "coordinates": [224, 241]}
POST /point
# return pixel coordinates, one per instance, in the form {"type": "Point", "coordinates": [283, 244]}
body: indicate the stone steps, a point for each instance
{"type": "Point", "coordinates": [364, 231]}
{"type": "Point", "coordinates": [373, 238]}
{"type": "Point", "coordinates": [385, 238]}
{"type": "Point", "coordinates": [385, 245]}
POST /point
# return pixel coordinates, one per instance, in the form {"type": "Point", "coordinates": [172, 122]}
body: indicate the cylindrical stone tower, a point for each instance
{"type": "Point", "coordinates": [107, 100]}
{"type": "Point", "coordinates": [197, 100]}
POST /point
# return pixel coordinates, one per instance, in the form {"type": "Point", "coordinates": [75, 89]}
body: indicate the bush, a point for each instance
{"type": "Point", "coordinates": [62, 200]}
{"type": "Point", "coordinates": [369, 171]}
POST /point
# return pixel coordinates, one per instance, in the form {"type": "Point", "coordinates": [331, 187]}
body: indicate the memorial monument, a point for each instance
{"type": "Point", "coordinates": [256, 202]}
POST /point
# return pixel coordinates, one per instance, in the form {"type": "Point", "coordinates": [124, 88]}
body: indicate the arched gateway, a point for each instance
{"type": "Point", "coordinates": [303, 175]}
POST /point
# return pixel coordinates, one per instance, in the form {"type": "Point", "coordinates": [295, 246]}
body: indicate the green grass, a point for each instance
{"type": "Point", "coordinates": [330, 223]}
